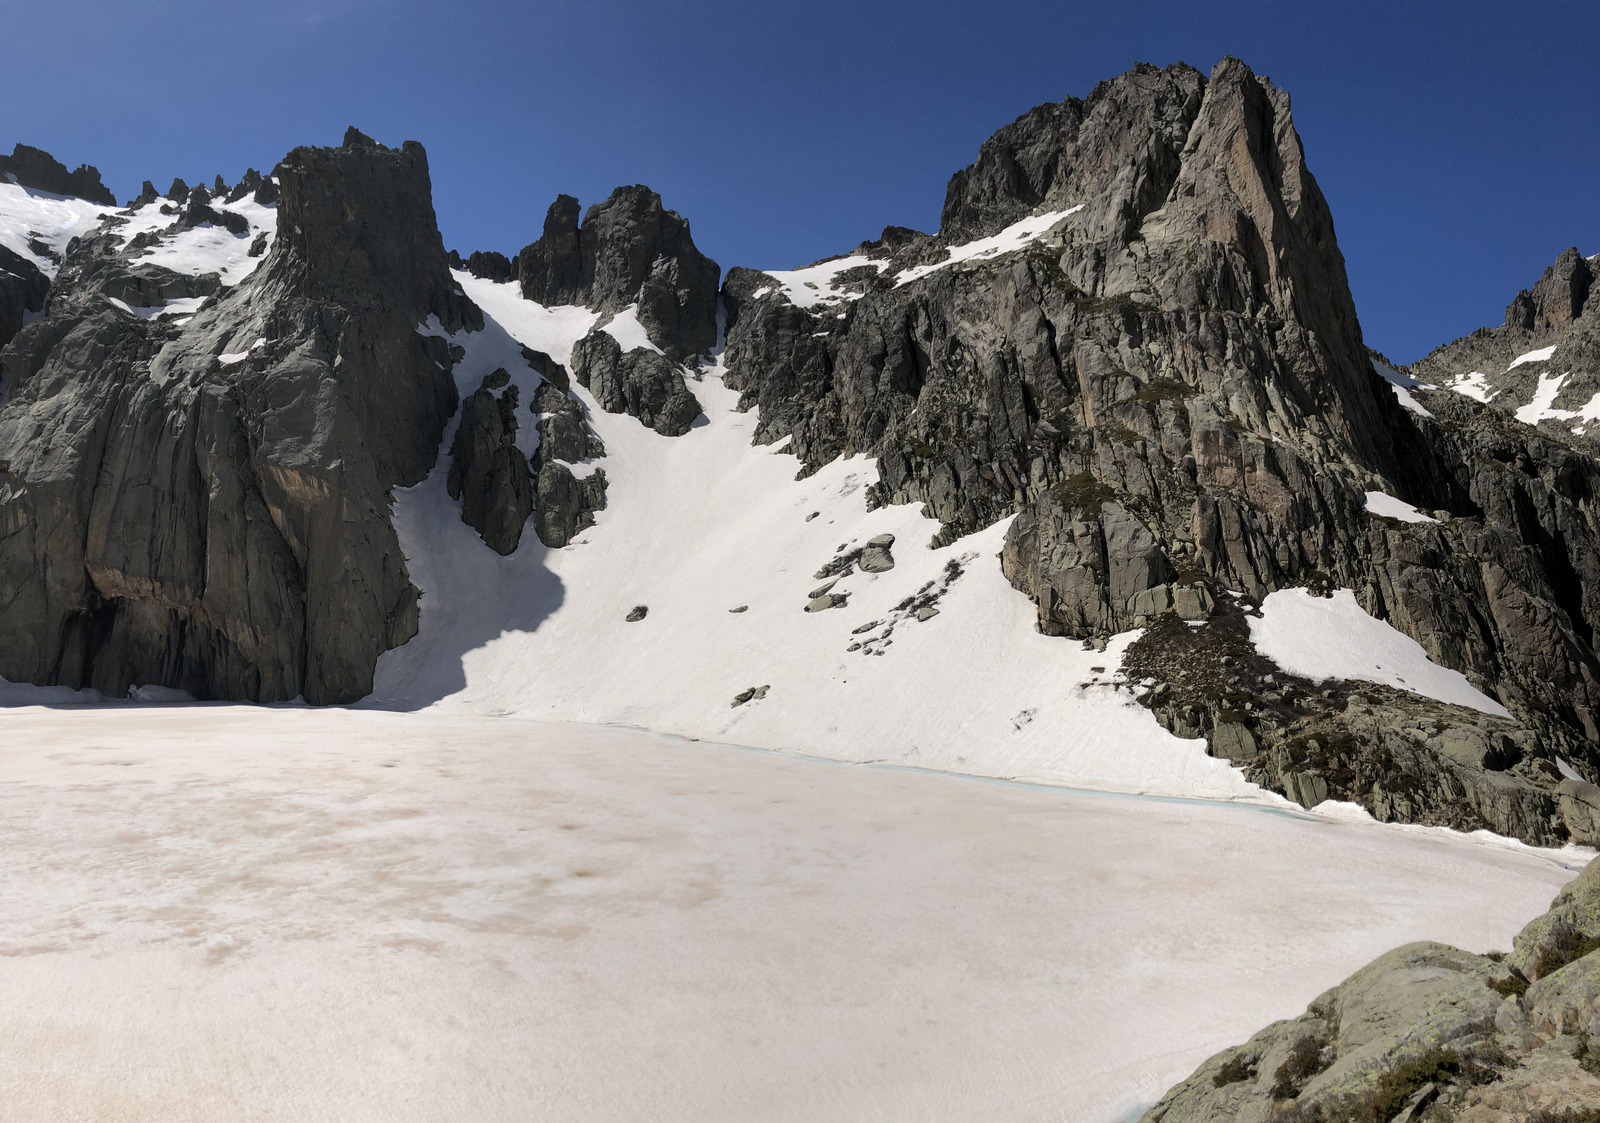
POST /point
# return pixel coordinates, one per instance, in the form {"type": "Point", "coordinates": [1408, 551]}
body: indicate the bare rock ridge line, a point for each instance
{"type": "Point", "coordinates": [1132, 335]}
{"type": "Point", "coordinates": [1429, 1031]}
{"type": "Point", "coordinates": [35, 168]}
{"type": "Point", "coordinates": [1167, 386]}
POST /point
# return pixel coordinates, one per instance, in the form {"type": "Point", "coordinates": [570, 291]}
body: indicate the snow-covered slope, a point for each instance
{"type": "Point", "coordinates": [722, 545]}
{"type": "Point", "coordinates": [37, 224]}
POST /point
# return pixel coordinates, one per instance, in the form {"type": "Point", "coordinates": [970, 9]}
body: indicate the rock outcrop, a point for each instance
{"type": "Point", "coordinates": [1159, 372]}
{"type": "Point", "coordinates": [1429, 1031]}
{"type": "Point", "coordinates": [639, 382]}
{"type": "Point", "coordinates": [489, 476]}
{"type": "Point", "coordinates": [203, 503]}
{"type": "Point", "coordinates": [23, 289]}
{"type": "Point", "coordinates": [36, 168]}
{"type": "Point", "coordinates": [629, 251]}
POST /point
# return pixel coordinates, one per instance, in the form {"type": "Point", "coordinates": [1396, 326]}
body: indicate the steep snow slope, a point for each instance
{"type": "Point", "coordinates": [251, 914]}
{"type": "Point", "coordinates": [700, 525]}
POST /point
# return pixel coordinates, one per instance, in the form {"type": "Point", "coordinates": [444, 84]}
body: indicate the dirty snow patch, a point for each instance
{"type": "Point", "coordinates": [1333, 638]}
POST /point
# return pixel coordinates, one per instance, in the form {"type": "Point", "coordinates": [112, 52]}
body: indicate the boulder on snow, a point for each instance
{"type": "Point", "coordinates": [637, 613]}
{"type": "Point", "coordinates": [639, 383]}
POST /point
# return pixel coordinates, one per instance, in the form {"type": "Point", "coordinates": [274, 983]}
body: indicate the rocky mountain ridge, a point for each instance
{"type": "Point", "coordinates": [1132, 337]}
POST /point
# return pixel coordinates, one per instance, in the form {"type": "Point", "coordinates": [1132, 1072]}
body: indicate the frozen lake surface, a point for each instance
{"type": "Point", "coordinates": [248, 914]}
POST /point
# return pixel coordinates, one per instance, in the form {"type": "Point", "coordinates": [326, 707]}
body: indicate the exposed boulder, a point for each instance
{"type": "Point", "coordinates": [224, 529]}
{"type": "Point", "coordinates": [36, 168]}
{"type": "Point", "coordinates": [640, 383]}
{"type": "Point", "coordinates": [488, 475]}
{"type": "Point", "coordinates": [1427, 1026]}
{"type": "Point", "coordinates": [630, 250]}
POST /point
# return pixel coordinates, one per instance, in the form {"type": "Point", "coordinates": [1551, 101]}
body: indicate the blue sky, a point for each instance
{"type": "Point", "coordinates": [1458, 143]}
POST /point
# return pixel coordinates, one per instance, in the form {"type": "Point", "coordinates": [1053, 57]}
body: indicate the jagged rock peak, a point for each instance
{"type": "Point", "coordinates": [36, 168]}
{"type": "Point", "coordinates": [1557, 300]}
{"type": "Point", "coordinates": [356, 224]}
{"type": "Point", "coordinates": [629, 250]}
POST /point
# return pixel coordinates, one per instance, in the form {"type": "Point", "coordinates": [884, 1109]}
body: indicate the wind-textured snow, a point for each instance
{"type": "Point", "coordinates": [1333, 638]}
{"type": "Point", "coordinates": [256, 914]}
{"type": "Point", "coordinates": [1381, 503]}
{"type": "Point", "coordinates": [1541, 355]}
{"type": "Point", "coordinates": [1013, 237]}
{"type": "Point", "coordinates": [701, 524]}
{"type": "Point", "coordinates": [1402, 385]}
{"type": "Point", "coordinates": [28, 216]}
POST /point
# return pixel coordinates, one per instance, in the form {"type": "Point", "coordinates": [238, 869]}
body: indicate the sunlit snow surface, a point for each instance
{"type": "Point", "coordinates": [28, 216]}
{"type": "Point", "coordinates": [1332, 637]}
{"type": "Point", "coordinates": [247, 914]}
{"type": "Point", "coordinates": [701, 524]}
{"type": "Point", "coordinates": [1541, 355]}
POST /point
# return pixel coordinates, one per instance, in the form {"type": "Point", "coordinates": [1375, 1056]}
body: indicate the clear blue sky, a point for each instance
{"type": "Point", "coordinates": [1458, 143]}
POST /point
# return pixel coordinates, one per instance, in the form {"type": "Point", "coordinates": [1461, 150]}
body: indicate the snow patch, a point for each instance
{"type": "Point", "coordinates": [1541, 355]}
{"type": "Point", "coordinates": [626, 329]}
{"type": "Point", "coordinates": [1475, 385]}
{"type": "Point", "coordinates": [1402, 385]}
{"type": "Point", "coordinates": [1013, 237]}
{"type": "Point", "coordinates": [814, 285]}
{"type": "Point", "coordinates": [177, 306]}
{"type": "Point", "coordinates": [1380, 503]}
{"type": "Point", "coordinates": [1333, 638]}
{"type": "Point", "coordinates": [1543, 404]}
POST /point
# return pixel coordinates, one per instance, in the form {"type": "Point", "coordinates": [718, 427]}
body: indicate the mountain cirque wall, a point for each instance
{"type": "Point", "coordinates": [204, 503]}
{"type": "Point", "coordinates": [1164, 380]}
{"type": "Point", "coordinates": [1429, 1032]}
{"type": "Point", "coordinates": [35, 168]}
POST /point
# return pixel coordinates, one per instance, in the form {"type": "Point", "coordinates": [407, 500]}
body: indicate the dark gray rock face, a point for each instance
{"type": "Point", "coordinates": [488, 475]}
{"type": "Point", "coordinates": [168, 518]}
{"type": "Point", "coordinates": [1431, 1029]}
{"type": "Point", "coordinates": [567, 504]}
{"type": "Point", "coordinates": [36, 168]}
{"type": "Point", "coordinates": [1169, 391]}
{"type": "Point", "coordinates": [640, 383]}
{"type": "Point", "coordinates": [629, 250]}
{"type": "Point", "coordinates": [23, 289]}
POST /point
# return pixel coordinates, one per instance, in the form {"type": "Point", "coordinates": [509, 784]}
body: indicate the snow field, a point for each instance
{"type": "Point", "coordinates": [247, 913]}
{"type": "Point", "coordinates": [1013, 237]}
{"type": "Point", "coordinates": [1381, 503]}
{"type": "Point", "coordinates": [1332, 637]}
{"type": "Point", "coordinates": [53, 220]}
{"type": "Point", "coordinates": [702, 524]}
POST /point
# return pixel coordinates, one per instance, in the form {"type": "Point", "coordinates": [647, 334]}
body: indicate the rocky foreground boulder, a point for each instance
{"type": "Point", "coordinates": [1162, 380]}
{"type": "Point", "coordinates": [1429, 1032]}
{"type": "Point", "coordinates": [203, 502]}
